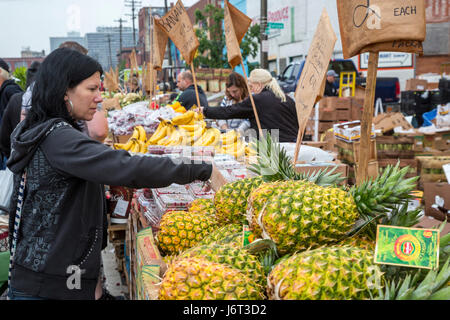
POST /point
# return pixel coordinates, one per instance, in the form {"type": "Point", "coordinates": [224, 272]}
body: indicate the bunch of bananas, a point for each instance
{"type": "Point", "coordinates": [177, 107]}
{"type": "Point", "coordinates": [188, 129]}
{"type": "Point", "coordinates": [137, 143]}
{"type": "Point", "coordinates": [232, 144]}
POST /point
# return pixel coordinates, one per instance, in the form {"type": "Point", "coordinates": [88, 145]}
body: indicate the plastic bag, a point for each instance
{"type": "Point", "coordinates": [6, 187]}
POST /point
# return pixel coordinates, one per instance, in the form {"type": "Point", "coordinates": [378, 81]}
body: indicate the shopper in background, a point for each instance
{"type": "Point", "coordinates": [185, 82]}
{"type": "Point", "coordinates": [16, 110]}
{"type": "Point", "coordinates": [330, 88]}
{"type": "Point", "coordinates": [236, 91]}
{"type": "Point", "coordinates": [59, 238]}
{"type": "Point", "coordinates": [276, 111]}
{"type": "Point", "coordinates": [8, 88]}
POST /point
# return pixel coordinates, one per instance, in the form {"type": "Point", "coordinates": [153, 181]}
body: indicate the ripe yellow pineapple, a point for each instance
{"type": "Point", "coordinates": [180, 230]}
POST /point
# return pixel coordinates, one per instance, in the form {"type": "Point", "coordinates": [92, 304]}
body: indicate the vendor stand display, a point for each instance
{"type": "Point", "coordinates": [281, 221]}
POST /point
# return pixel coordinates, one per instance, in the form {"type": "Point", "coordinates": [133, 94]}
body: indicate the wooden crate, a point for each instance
{"type": "Point", "coordinates": [430, 169]}
{"type": "Point", "coordinates": [395, 147]}
{"type": "Point", "coordinates": [412, 163]}
{"type": "Point", "coordinates": [372, 168]}
{"type": "Point", "coordinates": [349, 152]}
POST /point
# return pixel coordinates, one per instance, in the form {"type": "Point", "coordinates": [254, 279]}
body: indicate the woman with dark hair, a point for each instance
{"type": "Point", "coordinates": [236, 91]}
{"type": "Point", "coordinates": [57, 242]}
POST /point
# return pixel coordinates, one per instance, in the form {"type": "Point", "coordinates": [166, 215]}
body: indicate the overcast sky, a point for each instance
{"type": "Point", "coordinates": [30, 23]}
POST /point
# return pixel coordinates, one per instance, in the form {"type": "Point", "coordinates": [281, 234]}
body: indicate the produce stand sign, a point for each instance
{"type": "Point", "coordinates": [408, 247]}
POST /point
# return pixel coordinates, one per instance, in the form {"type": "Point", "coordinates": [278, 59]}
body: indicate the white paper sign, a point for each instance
{"type": "Point", "coordinates": [121, 208]}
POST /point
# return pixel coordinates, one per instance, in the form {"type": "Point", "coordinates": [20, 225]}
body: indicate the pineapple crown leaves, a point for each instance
{"type": "Point", "coordinates": [274, 165]}
{"type": "Point", "coordinates": [432, 287]}
{"type": "Point", "coordinates": [376, 196]}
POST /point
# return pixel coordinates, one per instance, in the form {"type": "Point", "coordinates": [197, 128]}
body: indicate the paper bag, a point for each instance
{"type": "Point", "coordinates": [236, 25]}
{"type": "Point", "coordinates": [367, 22]}
{"type": "Point", "coordinates": [159, 45]}
{"type": "Point", "coordinates": [178, 27]}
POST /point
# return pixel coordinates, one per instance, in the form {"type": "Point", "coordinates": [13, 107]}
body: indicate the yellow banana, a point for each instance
{"type": "Point", "coordinates": [142, 133]}
{"type": "Point", "coordinates": [135, 134]}
{"type": "Point", "coordinates": [181, 109]}
{"type": "Point", "coordinates": [169, 131]}
{"type": "Point", "coordinates": [203, 140]}
{"type": "Point", "coordinates": [229, 137]}
{"type": "Point", "coordinates": [184, 118]}
{"type": "Point", "coordinates": [198, 116]}
{"type": "Point", "coordinates": [143, 147]}
{"type": "Point", "coordinates": [175, 139]}
{"type": "Point", "coordinates": [136, 146]}
{"type": "Point", "coordinates": [192, 127]}
{"type": "Point", "coordinates": [159, 134]}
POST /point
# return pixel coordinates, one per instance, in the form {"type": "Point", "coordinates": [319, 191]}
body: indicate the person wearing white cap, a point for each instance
{"type": "Point", "coordinates": [276, 111]}
{"type": "Point", "coordinates": [330, 89]}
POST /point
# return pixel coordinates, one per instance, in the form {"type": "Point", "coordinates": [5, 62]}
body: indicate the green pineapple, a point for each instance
{"type": "Point", "coordinates": [224, 234]}
{"type": "Point", "coordinates": [231, 200]}
{"type": "Point", "coordinates": [200, 279]}
{"type": "Point", "coordinates": [333, 273]}
{"type": "Point", "coordinates": [231, 256]}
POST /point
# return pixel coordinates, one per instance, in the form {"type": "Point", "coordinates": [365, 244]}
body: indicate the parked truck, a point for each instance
{"type": "Point", "coordinates": [387, 88]}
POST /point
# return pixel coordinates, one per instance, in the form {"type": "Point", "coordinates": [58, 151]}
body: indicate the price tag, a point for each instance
{"type": "Point", "coordinates": [407, 247]}
{"type": "Point", "coordinates": [121, 208]}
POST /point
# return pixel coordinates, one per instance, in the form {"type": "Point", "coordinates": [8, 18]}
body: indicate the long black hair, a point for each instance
{"type": "Point", "coordinates": [63, 69]}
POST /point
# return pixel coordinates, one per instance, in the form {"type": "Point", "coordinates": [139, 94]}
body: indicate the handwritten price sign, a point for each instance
{"type": "Point", "coordinates": [314, 71]}
{"type": "Point", "coordinates": [378, 23]}
{"type": "Point", "coordinates": [178, 27]}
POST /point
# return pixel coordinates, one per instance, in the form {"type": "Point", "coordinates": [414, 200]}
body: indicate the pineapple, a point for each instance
{"type": "Point", "coordinates": [299, 215]}
{"type": "Point", "coordinates": [231, 200]}
{"type": "Point", "coordinates": [205, 206]}
{"type": "Point", "coordinates": [180, 230]}
{"type": "Point", "coordinates": [333, 273]}
{"type": "Point", "coordinates": [233, 257]}
{"type": "Point", "coordinates": [222, 234]}
{"type": "Point", "coordinates": [200, 279]}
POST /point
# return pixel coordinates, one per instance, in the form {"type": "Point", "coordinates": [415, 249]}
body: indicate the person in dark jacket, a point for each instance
{"type": "Point", "coordinates": [276, 111]}
{"type": "Point", "coordinates": [59, 237]}
{"type": "Point", "coordinates": [330, 89]}
{"type": "Point", "coordinates": [13, 112]}
{"type": "Point", "coordinates": [8, 87]}
{"type": "Point", "coordinates": [185, 82]}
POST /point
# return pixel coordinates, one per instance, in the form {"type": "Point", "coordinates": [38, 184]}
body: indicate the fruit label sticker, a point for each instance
{"type": "Point", "coordinates": [248, 236]}
{"type": "Point", "coordinates": [407, 247]}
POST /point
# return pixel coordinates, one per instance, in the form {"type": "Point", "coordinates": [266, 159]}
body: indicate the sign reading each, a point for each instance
{"type": "Point", "coordinates": [236, 25]}
{"type": "Point", "coordinates": [368, 22]}
{"type": "Point", "coordinates": [178, 27]}
{"type": "Point", "coordinates": [408, 247]}
{"type": "Point", "coordinates": [314, 70]}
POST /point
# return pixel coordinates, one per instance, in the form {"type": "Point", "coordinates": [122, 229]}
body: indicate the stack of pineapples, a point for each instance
{"type": "Point", "coordinates": [316, 238]}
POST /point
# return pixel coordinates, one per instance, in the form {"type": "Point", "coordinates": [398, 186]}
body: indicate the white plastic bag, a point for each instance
{"type": "Point", "coordinates": [6, 188]}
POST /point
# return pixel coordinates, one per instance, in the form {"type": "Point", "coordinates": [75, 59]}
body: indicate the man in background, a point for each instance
{"type": "Point", "coordinates": [185, 82]}
{"type": "Point", "coordinates": [330, 88]}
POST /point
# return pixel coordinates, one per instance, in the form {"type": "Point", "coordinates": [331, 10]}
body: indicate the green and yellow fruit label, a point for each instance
{"type": "Point", "coordinates": [408, 247]}
{"type": "Point", "coordinates": [248, 235]}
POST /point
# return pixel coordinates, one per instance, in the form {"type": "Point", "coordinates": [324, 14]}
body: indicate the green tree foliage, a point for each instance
{"type": "Point", "coordinates": [210, 34]}
{"type": "Point", "coordinates": [21, 75]}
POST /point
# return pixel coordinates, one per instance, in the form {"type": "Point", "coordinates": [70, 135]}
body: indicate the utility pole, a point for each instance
{"type": "Point", "coordinates": [109, 46]}
{"type": "Point", "coordinates": [133, 4]}
{"type": "Point", "coordinates": [263, 26]}
{"type": "Point", "coordinates": [120, 21]}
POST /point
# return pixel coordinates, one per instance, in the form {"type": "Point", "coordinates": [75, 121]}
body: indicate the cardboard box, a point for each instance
{"type": "Point", "coordinates": [428, 222]}
{"type": "Point", "coordinates": [350, 131]}
{"type": "Point", "coordinates": [416, 85]}
{"type": "Point", "coordinates": [430, 169]}
{"type": "Point", "coordinates": [349, 151]}
{"type": "Point", "coordinates": [341, 168]}
{"type": "Point", "coordinates": [386, 122]}
{"type": "Point", "coordinates": [440, 140]}
{"type": "Point", "coordinates": [357, 108]}
{"type": "Point", "coordinates": [433, 190]}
